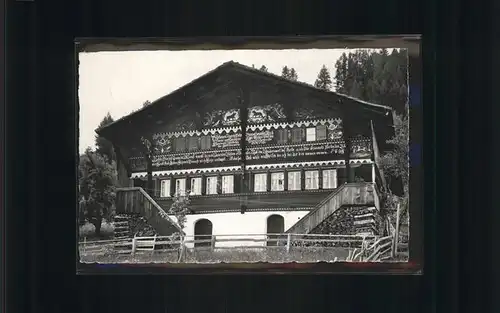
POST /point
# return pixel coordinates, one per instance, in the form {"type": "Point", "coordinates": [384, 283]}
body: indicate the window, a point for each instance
{"type": "Point", "coordinates": [277, 181]}
{"type": "Point", "coordinates": [281, 136]}
{"type": "Point", "coordinates": [196, 186]}
{"type": "Point", "coordinates": [294, 181]}
{"type": "Point", "coordinates": [329, 179]}
{"type": "Point", "coordinates": [205, 142]}
{"type": "Point", "coordinates": [180, 187]}
{"type": "Point", "coordinates": [180, 144]}
{"type": "Point", "coordinates": [321, 132]}
{"type": "Point", "coordinates": [312, 179]}
{"type": "Point", "coordinates": [212, 185]}
{"type": "Point", "coordinates": [165, 188]}
{"type": "Point", "coordinates": [228, 184]}
{"type": "Point", "coordinates": [311, 134]}
{"type": "Point", "coordinates": [260, 182]}
{"type": "Point", "coordinates": [193, 143]}
{"type": "Point", "coordinates": [296, 135]}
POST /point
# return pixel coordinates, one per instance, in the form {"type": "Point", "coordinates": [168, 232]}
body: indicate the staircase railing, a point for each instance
{"type": "Point", "coordinates": [347, 194]}
{"type": "Point", "coordinates": [380, 248]}
{"type": "Point", "coordinates": [136, 200]}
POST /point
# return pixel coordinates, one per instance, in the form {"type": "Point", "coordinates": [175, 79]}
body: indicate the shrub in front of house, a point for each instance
{"type": "Point", "coordinates": [88, 231]}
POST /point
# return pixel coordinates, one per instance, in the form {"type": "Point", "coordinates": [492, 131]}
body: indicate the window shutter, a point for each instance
{"type": "Point", "coordinates": [180, 144]}
{"type": "Point", "coordinates": [193, 143]}
{"type": "Point", "coordinates": [206, 142]}
{"type": "Point", "coordinates": [281, 136]}
{"type": "Point", "coordinates": [156, 188]}
{"type": "Point", "coordinates": [297, 135]}
{"type": "Point", "coordinates": [321, 132]}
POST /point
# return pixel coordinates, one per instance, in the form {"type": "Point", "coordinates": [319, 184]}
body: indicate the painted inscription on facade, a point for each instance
{"type": "Point", "coordinates": [292, 151]}
{"type": "Point", "coordinates": [260, 137]}
{"type": "Point", "coordinates": [201, 157]}
{"type": "Point", "coordinates": [226, 140]}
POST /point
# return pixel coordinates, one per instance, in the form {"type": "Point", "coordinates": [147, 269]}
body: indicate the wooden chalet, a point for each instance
{"type": "Point", "coordinates": [242, 140]}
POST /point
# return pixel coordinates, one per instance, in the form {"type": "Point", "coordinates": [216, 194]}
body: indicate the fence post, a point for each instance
{"type": "Point", "coordinates": [134, 244]}
{"type": "Point", "coordinates": [396, 233]}
{"type": "Point", "coordinates": [288, 242]}
{"type": "Point", "coordinates": [212, 243]}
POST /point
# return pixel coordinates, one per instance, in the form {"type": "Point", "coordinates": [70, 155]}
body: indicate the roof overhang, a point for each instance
{"type": "Point", "coordinates": [190, 93]}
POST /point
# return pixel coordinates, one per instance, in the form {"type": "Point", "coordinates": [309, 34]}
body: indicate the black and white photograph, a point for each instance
{"type": "Point", "coordinates": [243, 156]}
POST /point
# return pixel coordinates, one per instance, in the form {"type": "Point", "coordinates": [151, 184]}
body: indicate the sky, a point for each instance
{"type": "Point", "coordinates": [120, 82]}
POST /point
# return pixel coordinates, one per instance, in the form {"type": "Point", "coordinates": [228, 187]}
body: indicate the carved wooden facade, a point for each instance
{"type": "Point", "coordinates": [246, 140]}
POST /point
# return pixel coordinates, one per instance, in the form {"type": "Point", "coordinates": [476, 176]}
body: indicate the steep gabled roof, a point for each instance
{"type": "Point", "coordinates": [381, 109]}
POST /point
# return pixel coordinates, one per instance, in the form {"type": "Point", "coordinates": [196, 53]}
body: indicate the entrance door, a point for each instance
{"type": "Point", "coordinates": [202, 231]}
{"type": "Point", "coordinates": [275, 225]}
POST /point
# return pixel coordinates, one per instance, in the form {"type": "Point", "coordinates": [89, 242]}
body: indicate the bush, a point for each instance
{"type": "Point", "coordinates": [88, 230]}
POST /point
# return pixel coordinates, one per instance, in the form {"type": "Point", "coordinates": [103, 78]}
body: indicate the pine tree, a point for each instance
{"type": "Point", "coordinates": [263, 68]}
{"type": "Point", "coordinates": [292, 75]}
{"type": "Point", "coordinates": [103, 146]}
{"type": "Point", "coordinates": [323, 81]}
{"type": "Point", "coordinates": [146, 103]}
{"type": "Point", "coordinates": [285, 73]}
{"type": "Point", "coordinates": [341, 74]}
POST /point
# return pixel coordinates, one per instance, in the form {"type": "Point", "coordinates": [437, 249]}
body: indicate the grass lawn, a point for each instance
{"type": "Point", "coordinates": [237, 255]}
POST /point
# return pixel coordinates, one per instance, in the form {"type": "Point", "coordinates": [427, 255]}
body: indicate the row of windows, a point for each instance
{"type": "Point", "coordinates": [277, 179]}
{"type": "Point", "coordinates": [282, 136]}
{"type": "Point", "coordinates": [295, 180]}
{"type": "Point", "coordinates": [227, 186]}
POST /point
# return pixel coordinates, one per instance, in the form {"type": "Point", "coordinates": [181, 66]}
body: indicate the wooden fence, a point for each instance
{"type": "Point", "coordinates": [364, 248]}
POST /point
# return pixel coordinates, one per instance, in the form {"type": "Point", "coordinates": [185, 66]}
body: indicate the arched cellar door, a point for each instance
{"type": "Point", "coordinates": [202, 231]}
{"type": "Point", "coordinates": [275, 225]}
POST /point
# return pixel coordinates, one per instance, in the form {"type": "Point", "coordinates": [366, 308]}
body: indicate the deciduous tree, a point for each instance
{"type": "Point", "coordinates": [97, 183]}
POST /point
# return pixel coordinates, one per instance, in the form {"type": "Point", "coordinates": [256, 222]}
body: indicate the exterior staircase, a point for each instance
{"type": "Point", "coordinates": [122, 228]}
{"type": "Point", "coordinates": [136, 201]}
{"type": "Point", "coordinates": [347, 195]}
